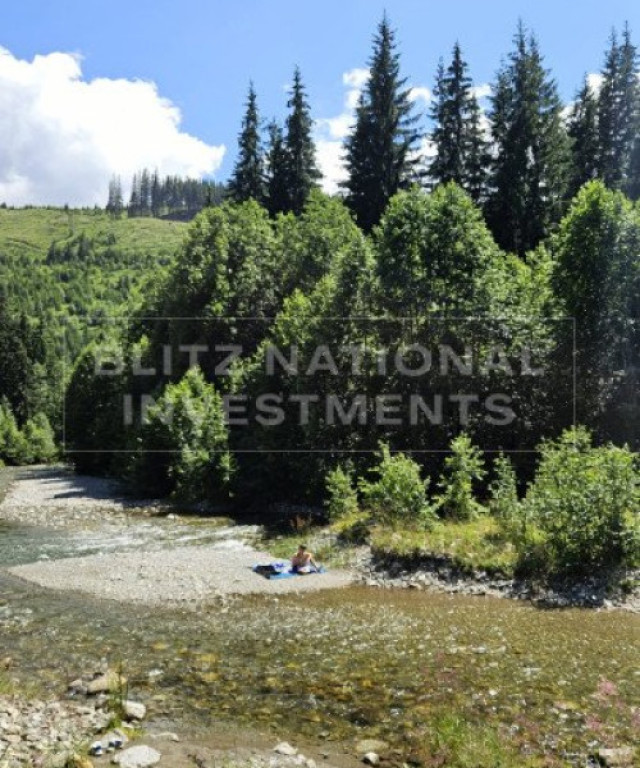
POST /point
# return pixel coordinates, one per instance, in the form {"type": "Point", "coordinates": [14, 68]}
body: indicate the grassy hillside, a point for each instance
{"type": "Point", "coordinates": [60, 264]}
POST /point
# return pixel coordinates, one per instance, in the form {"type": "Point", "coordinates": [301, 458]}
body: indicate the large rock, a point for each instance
{"type": "Point", "coordinates": [138, 757]}
{"type": "Point", "coordinates": [134, 710]}
{"type": "Point", "coordinates": [620, 757]}
{"type": "Point", "coordinates": [284, 748]}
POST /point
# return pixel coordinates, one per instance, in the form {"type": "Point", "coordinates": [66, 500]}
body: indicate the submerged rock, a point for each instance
{"type": "Point", "coordinates": [138, 757]}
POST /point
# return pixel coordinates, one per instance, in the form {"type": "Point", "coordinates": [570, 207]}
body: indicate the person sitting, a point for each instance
{"type": "Point", "coordinates": [302, 561]}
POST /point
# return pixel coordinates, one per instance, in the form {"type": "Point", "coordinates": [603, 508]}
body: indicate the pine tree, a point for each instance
{"type": "Point", "coordinates": [583, 132]}
{"type": "Point", "coordinates": [156, 194]}
{"type": "Point", "coordinates": [134, 199]}
{"type": "Point", "coordinates": [478, 156]}
{"type": "Point", "coordinates": [630, 118]}
{"type": "Point", "coordinates": [115, 204]}
{"type": "Point", "coordinates": [531, 150]}
{"type": "Point", "coordinates": [247, 181]}
{"type": "Point", "coordinates": [380, 152]}
{"type": "Point", "coordinates": [461, 149]}
{"type": "Point", "coordinates": [302, 171]}
{"type": "Point", "coordinates": [277, 171]}
{"type": "Point", "coordinates": [145, 192]}
{"type": "Point", "coordinates": [618, 112]}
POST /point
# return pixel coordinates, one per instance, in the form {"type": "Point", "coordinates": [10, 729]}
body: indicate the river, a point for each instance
{"type": "Point", "coordinates": [336, 665]}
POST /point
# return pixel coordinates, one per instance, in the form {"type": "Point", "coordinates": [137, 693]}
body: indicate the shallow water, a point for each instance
{"type": "Point", "coordinates": [349, 663]}
{"type": "Point", "coordinates": [334, 665]}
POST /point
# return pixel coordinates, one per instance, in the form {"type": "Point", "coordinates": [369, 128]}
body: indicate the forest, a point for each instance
{"type": "Point", "coordinates": [466, 319]}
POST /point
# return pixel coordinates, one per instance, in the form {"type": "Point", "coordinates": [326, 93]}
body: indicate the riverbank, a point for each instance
{"type": "Point", "coordinates": [55, 498]}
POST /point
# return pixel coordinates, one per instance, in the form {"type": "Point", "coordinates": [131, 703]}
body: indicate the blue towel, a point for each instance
{"type": "Point", "coordinates": [273, 571]}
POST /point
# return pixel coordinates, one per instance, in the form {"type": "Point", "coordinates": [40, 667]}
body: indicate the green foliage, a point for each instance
{"type": "Point", "coordinates": [13, 446]}
{"type": "Point", "coordinates": [583, 132]}
{"type": "Point", "coordinates": [461, 152]}
{"type": "Point", "coordinates": [248, 178]}
{"type": "Point", "coordinates": [531, 150]}
{"type": "Point", "coordinates": [380, 157]}
{"type": "Point", "coordinates": [34, 444]}
{"type": "Point", "coordinates": [342, 497]}
{"type": "Point", "coordinates": [399, 495]}
{"type": "Point", "coordinates": [619, 113]}
{"type": "Point", "coordinates": [456, 742]}
{"type": "Point", "coordinates": [504, 503]}
{"type": "Point", "coordinates": [40, 439]}
{"type": "Point", "coordinates": [461, 469]}
{"type": "Point", "coordinates": [596, 280]}
{"type": "Point", "coordinates": [433, 253]}
{"type": "Point", "coordinates": [187, 426]}
{"type": "Point", "coordinates": [585, 505]}
{"type": "Point", "coordinates": [302, 172]}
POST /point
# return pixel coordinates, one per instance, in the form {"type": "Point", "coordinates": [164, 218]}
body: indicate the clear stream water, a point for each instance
{"type": "Point", "coordinates": [337, 665]}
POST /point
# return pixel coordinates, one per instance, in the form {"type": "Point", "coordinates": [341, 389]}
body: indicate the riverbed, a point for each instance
{"type": "Point", "coordinates": [337, 666]}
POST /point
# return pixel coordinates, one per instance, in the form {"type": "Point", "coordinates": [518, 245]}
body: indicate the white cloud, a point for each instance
{"type": "Point", "coordinates": [595, 80]}
{"type": "Point", "coordinates": [63, 137]}
{"type": "Point", "coordinates": [420, 93]}
{"type": "Point", "coordinates": [482, 91]}
{"type": "Point", "coordinates": [332, 131]}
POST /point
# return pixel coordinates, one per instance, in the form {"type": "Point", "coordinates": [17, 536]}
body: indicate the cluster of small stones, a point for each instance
{"type": "Point", "coordinates": [439, 575]}
{"type": "Point", "coordinates": [32, 731]}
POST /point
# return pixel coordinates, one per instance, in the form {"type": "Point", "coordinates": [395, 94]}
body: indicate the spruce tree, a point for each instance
{"type": "Point", "coordinates": [461, 149]}
{"type": "Point", "coordinates": [302, 171]}
{"type": "Point", "coordinates": [277, 199]}
{"type": "Point", "coordinates": [531, 150]}
{"type": "Point", "coordinates": [478, 157]}
{"type": "Point", "coordinates": [618, 107]}
{"type": "Point", "coordinates": [380, 152]}
{"type": "Point", "coordinates": [115, 204]}
{"type": "Point", "coordinates": [585, 145]}
{"type": "Point", "coordinates": [247, 181]}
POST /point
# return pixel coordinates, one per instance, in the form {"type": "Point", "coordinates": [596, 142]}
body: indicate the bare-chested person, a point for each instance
{"type": "Point", "coordinates": [302, 561]}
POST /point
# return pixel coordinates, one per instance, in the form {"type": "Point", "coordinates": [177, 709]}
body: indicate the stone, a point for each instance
{"type": "Point", "coordinates": [109, 682]}
{"type": "Point", "coordinates": [134, 710]}
{"type": "Point", "coordinates": [371, 758]}
{"type": "Point", "coordinates": [619, 757]}
{"type": "Point", "coordinates": [370, 745]}
{"type": "Point", "coordinates": [138, 757]}
{"type": "Point", "coordinates": [284, 748]}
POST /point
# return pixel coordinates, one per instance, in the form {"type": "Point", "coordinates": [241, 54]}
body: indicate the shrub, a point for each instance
{"type": "Point", "coordinates": [187, 431]}
{"type": "Point", "coordinates": [399, 495]}
{"type": "Point", "coordinates": [461, 469]}
{"type": "Point", "coordinates": [39, 439]}
{"type": "Point", "coordinates": [13, 446]}
{"type": "Point", "coordinates": [503, 502]}
{"type": "Point", "coordinates": [585, 505]}
{"type": "Point", "coordinates": [342, 498]}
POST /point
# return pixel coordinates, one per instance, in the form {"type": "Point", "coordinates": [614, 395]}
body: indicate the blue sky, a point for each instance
{"type": "Point", "coordinates": [201, 55]}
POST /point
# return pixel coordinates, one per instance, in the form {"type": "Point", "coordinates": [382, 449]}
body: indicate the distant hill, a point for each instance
{"type": "Point", "coordinates": [58, 264]}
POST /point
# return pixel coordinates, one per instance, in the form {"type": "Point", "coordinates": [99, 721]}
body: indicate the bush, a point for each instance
{"type": "Point", "coordinates": [504, 502]}
{"type": "Point", "coordinates": [399, 495]}
{"type": "Point", "coordinates": [461, 469]}
{"type": "Point", "coordinates": [186, 431]}
{"type": "Point", "coordinates": [584, 506]}
{"type": "Point", "coordinates": [13, 447]}
{"type": "Point", "coordinates": [342, 498]}
{"type": "Point", "coordinates": [39, 438]}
